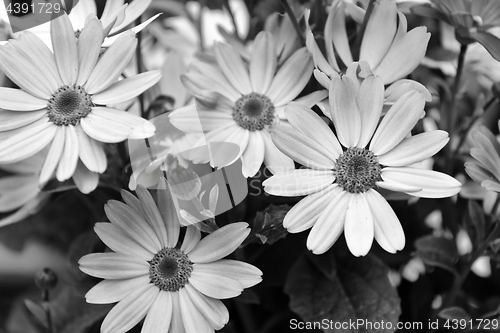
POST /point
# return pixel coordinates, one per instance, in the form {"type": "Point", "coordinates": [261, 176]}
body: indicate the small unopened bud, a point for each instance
{"type": "Point", "coordinates": [45, 279]}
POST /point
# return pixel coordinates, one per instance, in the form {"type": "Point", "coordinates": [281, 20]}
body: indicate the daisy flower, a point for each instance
{"type": "Point", "coordinates": [115, 18]}
{"type": "Point", "coordinates": [62, 101]}
{"type": "Point", "coordinates": [342, 175]}
{"type": "Point", "coordinates": [239, 103]}
{"type": "Point", "coordinates": [178, 287]}
{"type": "Point", "coordinates": [387, 47]}
{"type": "Point", "coordinates": [485, 169]}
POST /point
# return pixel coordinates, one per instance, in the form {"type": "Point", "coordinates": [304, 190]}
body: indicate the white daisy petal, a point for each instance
{"type": "Point", "coordinates": [214, 311]}
{"type": "Point", "coordinates": [263, 62]}
{"type": "Point", "coordinates": [193, 319]}
{"type": "Point", "coordinates": [118, 241]}
{"type": "Point", "coordinates": [152, 214]}
{"type": "Point", "coordinates": [329, 224]}
{"type": "Point", "coordinates": [306, 150]}
{"type": "Point", "coordinates": [253, 156]}
{"type": "Point", "coordinates": [305, 213]}
{"type": "Point", "coordinates": [398, 122]}
{"type": "Point", "coordinates": [133, 224]}
{"type": "Point", "coordinates": [415, 149]}
{"type": "Point", "coordinates": [274, 159]}
{"type": "Point", "coordinates": [127, 89]}
{"type": "Point", "coordinates": [36, 52]}
{"type": "Point", "coordinates": [23, 73]}
{"type": "Point", "coordinates": [160, 314]}
{"type": "Point", "coordinates": [388, 231]}
{"type": "Point", "coordinates": [191, 239]}
{"type": "Point", "coordinates": [85, 180]}
{"type": "Point", "coordinates": [358, 225]}
{"type": "Point", "coordinates": [309, 123]}
{"type": "Point", "coordinates": [65, 48]}
{"type": "Point", "coordinates": [246, 274]}
{"type": "Point", "coordinates": [215, 286]}
{"type": "Point", "coordinates": [10, 120]}
{"type": "Point", "coordinates": [54, 155]}
{"type": "Point", "coordinates": [434, 184]}
{"type": "Point", "coordinates": [219, 243]}
{"type": "Point", "coordinates": [130, 310]}
{"type": "Point", "coordinates": [111, 291]}
{"type": "Point", "coordinates": [91, 152]}
{"type": "Point", "coordinates": [370, 102]}
{"type": "Point", "coordinates": [176, 324]}
{"type": "Point", "coordinates": [204, 76]}
{"type": "Point", "coordinates": [18, 100]}
{"type": "Point", "coordinates": [291, 78]}
{"type": "Point", "coordinates": [168, 211]}
{"type": "Point", "coordinates": [232, 66]}
{"type": "Point", "coordinates": [344, 109]}
{"type": "Point", "coordinates": [69, 157]}
{"type": "Point", "coordinates": [298, 182]}
{"type": "Point", "coordinates": [113, 266]}
{"type": "Point", "coordinates": [112, 63]}
{"type": "Point", "coordinates": [111, 126]}
{"type": "Point", "coordinates": [89, 47]}
{"type": "Point", "coordinates": [27, 142]}
{"type": "Point", "coordinates": [397, 187]}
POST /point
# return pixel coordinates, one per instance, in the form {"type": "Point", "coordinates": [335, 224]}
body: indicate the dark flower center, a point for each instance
{"type": "Point", "coordinates": [357, 170]}
{"type": "Point", "coordinates": [253, 112]}
{"type": "Point", "coordinates": [170, 269]}
{"type": "Point", "coordinates": [68, 105]}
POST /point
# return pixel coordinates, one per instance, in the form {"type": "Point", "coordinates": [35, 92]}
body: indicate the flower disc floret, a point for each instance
{"type": "Point", "coordinates": [170, 269]}
{"type": "Point", "coordinates": [357, 170]}
{"type": "Point", "coordinates": [68, 105]}
{"type": "Point", "coordinates": [253, 112]}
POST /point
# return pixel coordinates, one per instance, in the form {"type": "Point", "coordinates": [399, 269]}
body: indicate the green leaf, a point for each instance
{"type": "Point", "coordinates": [335, 288]}
{"type": "Point", "coordinates": [437, 251]}
{"type": "Point", "coordinates": [37, 311]}
{"type": "Point", "coordinates": [454, 312]}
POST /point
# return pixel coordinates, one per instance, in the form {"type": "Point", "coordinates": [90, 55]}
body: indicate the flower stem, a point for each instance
{"type": "Point", "coordinates": [359, 37]}
{"type": "Point", "coordinates": [452, 112]}
{"type": "Point", "coordinates": [295, 23]}
{"type": "Point", "coordinates": [199, 25]}
{"type": "Point", "coordinates": [46, 308]}
{"type": "Point", "coordinates": [138, 58]}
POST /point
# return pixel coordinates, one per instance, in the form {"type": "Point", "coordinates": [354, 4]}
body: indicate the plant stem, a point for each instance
{"type": "Point", "coordinates": [295, 23]}
{"type": "Point", "coordinates": [458, 282]}
{"type": "Point", "coordinates": [452, 112]}
{"type": "Point", "coordinates": [199, 25]}
{"type": "Point", "coordinates": [138, 58]}
{"type": "Point", "coordinates": [46, 308]}
{"type": "Point", "coordinates": [362, 29]}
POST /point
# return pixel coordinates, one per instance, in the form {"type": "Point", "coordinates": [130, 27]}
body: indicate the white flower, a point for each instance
{"type": "Point", "coordinates": [176, 286]}
{"type": "Point", "coordinates": [239, 104]}
{"type": "Point", "coordinates": [390, 51]}
{"type": "Point", "coordinates": [62, 101]}
{"type": "Point", "coordinates": [340, 184]}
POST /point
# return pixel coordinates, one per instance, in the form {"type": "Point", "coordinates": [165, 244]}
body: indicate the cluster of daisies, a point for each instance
{"type": "Point", "coordinates": [342, 147]}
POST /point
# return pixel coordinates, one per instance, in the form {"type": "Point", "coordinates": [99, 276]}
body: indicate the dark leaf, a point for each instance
{"type": "Point", "coordinates": [343, 288]}
{"type": "Point", "coordinates": [476, 222]}
{"type": "Point", "coordinates": [437, 251]}
{"type": "Point", "coordinates": [267, 226]}
{"type": "Point", "coordinates": [37, 311]}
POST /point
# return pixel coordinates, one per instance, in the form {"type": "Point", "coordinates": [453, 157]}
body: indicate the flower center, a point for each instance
{"type": "Point", "coordinates": [253, 112]}
{"type": "Point", "coordinates": [357, 170]}
{"type": "Point", "coordinates": [68, 105]}
{"type": "Point", "coordinates": [170, 269]}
